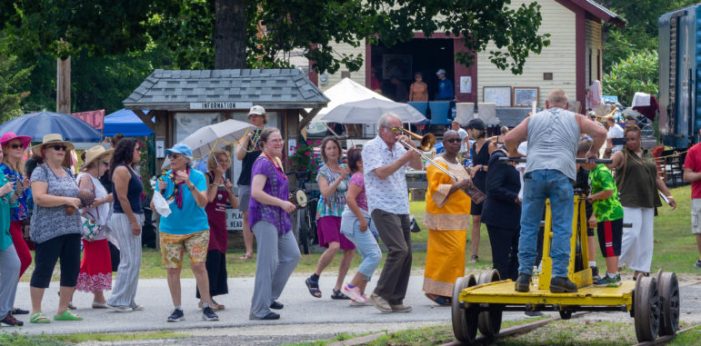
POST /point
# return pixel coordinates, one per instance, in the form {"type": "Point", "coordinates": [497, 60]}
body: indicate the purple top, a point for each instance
{"type": "Point", "coordinates": [276, 186]}
{"type": "Point", "coordinates": [359, 180]}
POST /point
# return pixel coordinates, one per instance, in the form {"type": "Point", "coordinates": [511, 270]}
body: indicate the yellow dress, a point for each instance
{"type": "Point", "coordinates": [447, 220]}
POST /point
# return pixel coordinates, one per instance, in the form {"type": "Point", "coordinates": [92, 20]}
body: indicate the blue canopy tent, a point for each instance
{"type": "Point", "coordinates": [126, 122]}
{"type": "Point", "coordinates": [38, 124]}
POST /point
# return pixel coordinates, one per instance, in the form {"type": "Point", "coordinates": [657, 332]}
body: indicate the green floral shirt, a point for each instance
{"type": "Point", "coordinates": [609, 209]}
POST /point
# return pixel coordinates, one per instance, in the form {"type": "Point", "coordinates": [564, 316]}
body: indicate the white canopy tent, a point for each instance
{"type": "Point", "coordinates": [342, 92]}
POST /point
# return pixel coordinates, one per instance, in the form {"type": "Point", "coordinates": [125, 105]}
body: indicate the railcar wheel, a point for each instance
{"type": "Point", "coordinates": [668, 287]}
{"type": "Point", "coordinates": [490, 317]}
{"type": "Point", "coordinates": [464, 316]}
{"type": "Point", "coordinates": [647, 309]}
{"type": "Point", "coordinates": [565, 314]}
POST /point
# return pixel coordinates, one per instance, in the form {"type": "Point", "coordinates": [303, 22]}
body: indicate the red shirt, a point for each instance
{"type": "Point", "coordinates": [693, 162]}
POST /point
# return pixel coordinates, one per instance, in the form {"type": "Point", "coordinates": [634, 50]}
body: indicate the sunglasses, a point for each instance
{"type": "Point", "coordinates": [396, 130]}
{"type": "Point", "coordinates": [453, 140]}
{"type": "Point", "coordinates": [106, 163]}
{"type": "Point", "coordinates": [16, 146]}
{"type": "Point", "coordinates": [58, 147]}
{"type": "Point", "coordinates": [174, 156]}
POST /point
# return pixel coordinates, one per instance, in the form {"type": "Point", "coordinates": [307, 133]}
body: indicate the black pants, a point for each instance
{"type": "Point", "coordinates": [67, 249]}
{"type": "Point", "coordinates": [114, 255]}
{"type": "Point", "coordinates": [216, 271]}
{"type": "Point", "coordinates": [504, 243]}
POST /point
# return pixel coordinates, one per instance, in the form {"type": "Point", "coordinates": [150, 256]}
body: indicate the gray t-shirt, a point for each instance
{"type": "Point", "coordinates": [49, 223]}
{"type": "Point", "coordinates": [553, 135]}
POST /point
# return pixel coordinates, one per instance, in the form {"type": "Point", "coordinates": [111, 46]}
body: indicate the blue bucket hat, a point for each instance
{"type": "Point", "coordinates": [182, 149]}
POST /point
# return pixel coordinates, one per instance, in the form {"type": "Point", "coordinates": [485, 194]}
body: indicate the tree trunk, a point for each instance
{"type": "Point", "coordinates": [63, 85]}
{"type": "Point", "coordinates": [230, 34]}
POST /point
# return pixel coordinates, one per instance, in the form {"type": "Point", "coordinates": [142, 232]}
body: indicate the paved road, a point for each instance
{"type": "Point", "coordinates": [303, 318]}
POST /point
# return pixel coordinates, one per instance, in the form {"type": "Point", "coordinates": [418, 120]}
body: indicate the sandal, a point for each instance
{"type": "Point", "coordinates": [313, 287]}
{"type": "Point", "coordinates": [440, 300]}
{"type": "Point", "coordinates": [246, 257]}
{"type": "Point", "coordinates": [338, 295]}
{"type": "Point", "coordinates": [67, 316]}
{"type": "Point", "coordinates": [38, 317]}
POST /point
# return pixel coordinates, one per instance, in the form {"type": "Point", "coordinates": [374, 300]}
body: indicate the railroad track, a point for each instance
{"type": "Point", "coordinates": [663, 340]}
{"type": "Point", "coordinates": [515, 330]}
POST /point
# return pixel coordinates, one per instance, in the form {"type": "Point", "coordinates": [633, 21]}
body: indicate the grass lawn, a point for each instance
{"type": "Point", "coordinates": [16, 339]}
{"type": "Point", "coordinates": [675, 247]}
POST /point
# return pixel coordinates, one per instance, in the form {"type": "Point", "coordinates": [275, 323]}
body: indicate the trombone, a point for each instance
{"type": "Point", "coordinates": [427, 143]}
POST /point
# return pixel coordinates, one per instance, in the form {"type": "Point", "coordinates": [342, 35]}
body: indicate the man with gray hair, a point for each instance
{"type": "Point", "coordinates": [384, 164]}
{"type": "Point", "coordinates": [553, 136]}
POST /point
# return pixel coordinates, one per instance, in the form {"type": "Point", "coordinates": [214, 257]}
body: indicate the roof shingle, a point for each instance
{"type": "Point", "coordinates": [271, 88]}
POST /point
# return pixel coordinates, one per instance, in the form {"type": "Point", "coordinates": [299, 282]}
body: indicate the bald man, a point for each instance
{"type": "Point", "coordinates": [553, 136]}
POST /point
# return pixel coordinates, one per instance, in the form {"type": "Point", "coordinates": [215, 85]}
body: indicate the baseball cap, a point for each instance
{"type": "Point", "coordinates": [256, 110]}
{"type": "Point", "coordinates": [182, 149]}
{"type": "Point", "coordinates": [440, 71]}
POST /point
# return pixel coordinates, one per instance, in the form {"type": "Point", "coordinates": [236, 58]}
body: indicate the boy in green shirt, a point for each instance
{"type": "Point", "coordinates": [608, 220]}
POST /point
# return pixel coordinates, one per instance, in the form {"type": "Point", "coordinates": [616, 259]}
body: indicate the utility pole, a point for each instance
{"type": "Point", "coordinates": [63, 85]}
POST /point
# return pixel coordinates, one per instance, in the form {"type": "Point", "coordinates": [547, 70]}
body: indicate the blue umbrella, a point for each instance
{"type": "Point", "coordinates": [38, 124]}
{"type": "Point", "coordinates": [126, 122]}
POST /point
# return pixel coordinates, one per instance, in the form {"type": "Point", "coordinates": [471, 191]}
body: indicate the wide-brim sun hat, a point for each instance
{"type": "Point", "coordinates": [52, 138]}
{"type": "Point", "coordinates": [182, 149]}
{"type": "Point", "coordinates": [96, 152]}
{"type": "Point", "coordinates": [10, 136]}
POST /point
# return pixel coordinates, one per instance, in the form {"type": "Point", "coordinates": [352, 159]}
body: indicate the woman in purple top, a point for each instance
{"type": "Point", "coordinates": [269, 218]}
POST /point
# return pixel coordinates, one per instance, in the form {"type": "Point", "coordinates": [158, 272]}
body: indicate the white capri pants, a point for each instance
{"type": "Point", "coordinates": [637, 244]}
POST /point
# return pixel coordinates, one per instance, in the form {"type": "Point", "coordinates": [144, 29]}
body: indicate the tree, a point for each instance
{"type": "Point", "coordinates": [11, 76]}
{"type": "Point", "coordinates": [230, 31]}
{"type": "Point", "coordinates": [641, 30]}
{"type": "Point", "coordinates": [637, 72]}
{"type": "Point", "coordinates": [276, 27]}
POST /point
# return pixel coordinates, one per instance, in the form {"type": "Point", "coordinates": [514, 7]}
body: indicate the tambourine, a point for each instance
{"type": "Point", "coordinates": [299, 199]}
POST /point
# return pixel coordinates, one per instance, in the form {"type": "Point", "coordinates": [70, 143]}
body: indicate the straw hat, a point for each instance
{"type": "Point", "coordinates": [94, 153]}
{"type": "Point", "coordinates": [51, 138]}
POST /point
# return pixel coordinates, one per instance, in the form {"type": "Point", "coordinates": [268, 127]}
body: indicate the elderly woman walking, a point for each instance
{"type": "Point", "coordinates": [185, 229]}
{"type": "Point", "coordinates": [55, 228]}
{"type": "Point", "coordinates": [125, 224]}
{"type": "Point", "coordinates": [96, 267]}
{"type": "Point", "coordinates": [333, 184]}
{"type": "Point", "coordinates": [447, 219]}
{"type": "Point", "coordinates": [9, 261]}
{"type": "Point", "coordinates": [638, 181]}
{"type": "Point", "coordinates": [219, 195]}
{"type": "Point", "coordinates": [269, 218]}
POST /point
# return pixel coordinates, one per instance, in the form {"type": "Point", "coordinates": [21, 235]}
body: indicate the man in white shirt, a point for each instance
{"type": "Point", "coordinates": [615, 137]}
{"type": "Point", "coordinates": [384, 163]}
{"type": "Point", "coordinates": [463, 137]}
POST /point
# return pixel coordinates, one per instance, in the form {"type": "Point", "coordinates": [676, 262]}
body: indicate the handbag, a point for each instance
{"type": "Point", "coordinates": [90, 230]}
{"type": "Point", "coordinates": [160, 204]}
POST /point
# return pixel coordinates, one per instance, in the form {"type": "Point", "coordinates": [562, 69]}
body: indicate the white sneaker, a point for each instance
{"type": "Point", "coordinates": [354, 293]}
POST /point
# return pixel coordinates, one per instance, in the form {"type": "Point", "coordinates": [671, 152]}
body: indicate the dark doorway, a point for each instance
{"type": "Point", "coordinates": [393, 68]}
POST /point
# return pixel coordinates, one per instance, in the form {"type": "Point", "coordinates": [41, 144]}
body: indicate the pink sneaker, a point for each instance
{"type": "Point", "coordinates": [354, 294]}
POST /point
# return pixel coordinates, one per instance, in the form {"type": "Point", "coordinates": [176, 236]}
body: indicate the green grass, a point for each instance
{"type": "Point", "coordinates": [691, 337]}
{"type": "Point", "coordinates": [15, 339]}
{"type": "Point", "coordinates": [675, 247]}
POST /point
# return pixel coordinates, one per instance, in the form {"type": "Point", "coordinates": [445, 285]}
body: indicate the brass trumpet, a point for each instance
{"type": "Point", "coordinates": [427, 142]}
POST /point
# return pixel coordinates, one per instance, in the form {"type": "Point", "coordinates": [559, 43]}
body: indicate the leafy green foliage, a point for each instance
{"type": "Point", "coordinates": [12, 76]}
{"type": "Point", "coordinates": [637, 72]}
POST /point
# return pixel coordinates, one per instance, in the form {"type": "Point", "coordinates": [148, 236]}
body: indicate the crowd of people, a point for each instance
{"type": "Point", "coordinates": [364, 202]}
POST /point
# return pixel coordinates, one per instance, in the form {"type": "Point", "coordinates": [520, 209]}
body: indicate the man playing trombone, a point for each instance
{"type": "Point", "coordinates": [384, 162]}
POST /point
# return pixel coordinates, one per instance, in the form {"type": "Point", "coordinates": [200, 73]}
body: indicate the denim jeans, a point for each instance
{"type": "Point", "coordinates": [365, 242]}
{"type": "Point", "coordinates": [538, 186]}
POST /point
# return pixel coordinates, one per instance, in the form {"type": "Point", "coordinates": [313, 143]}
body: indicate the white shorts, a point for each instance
{"type": "Point", "coordinates": [696, 216]}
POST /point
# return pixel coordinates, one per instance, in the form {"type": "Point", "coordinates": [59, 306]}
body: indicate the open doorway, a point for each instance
{"type": "Point", "coordinates": [393, 68]}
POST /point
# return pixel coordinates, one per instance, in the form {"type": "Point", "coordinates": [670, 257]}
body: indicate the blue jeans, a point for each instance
{"type": "Point", "coordinates": [365, 242]}
{"type": "Point", "coordinates": [538, 186]}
